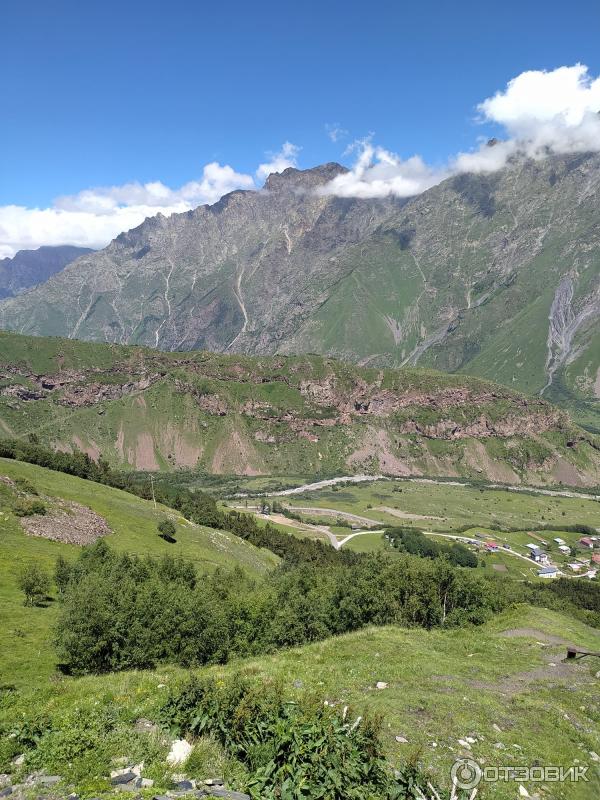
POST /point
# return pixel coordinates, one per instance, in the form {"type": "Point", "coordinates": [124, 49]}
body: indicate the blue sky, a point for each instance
{"type": "Point", "coordinates": [107, 93]}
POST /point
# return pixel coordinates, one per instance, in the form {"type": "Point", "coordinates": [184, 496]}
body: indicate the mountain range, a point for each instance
{"type": "Point", "coordinates": [27, 268]}
{"type": "Point", "coordinates": [495, 274]}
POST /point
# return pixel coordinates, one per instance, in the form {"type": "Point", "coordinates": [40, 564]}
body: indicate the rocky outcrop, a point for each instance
{"type": "Point", "coordinates": [67, 522]}
{"type": "Point", "coordinates": [150, 410]}
{"type": "Point", "coordinates": [73, 389]}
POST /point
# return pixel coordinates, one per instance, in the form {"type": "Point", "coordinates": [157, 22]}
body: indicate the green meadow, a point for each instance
{"type": "Point", "coordinates": [26, 652]}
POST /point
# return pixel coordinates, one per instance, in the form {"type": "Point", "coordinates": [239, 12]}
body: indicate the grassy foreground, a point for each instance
{"type": "Point", "coordinates": [26, 653]}
{"type": "Point", "coordinates": [503, 685]}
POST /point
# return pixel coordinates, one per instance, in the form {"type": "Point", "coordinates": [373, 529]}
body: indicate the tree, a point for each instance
{"type": "Point", "coordinates": [167, 529]}
{"type": "Point", "coordinates": [34, 582]}
{"type": "Point", "coordinates": [62, 574]}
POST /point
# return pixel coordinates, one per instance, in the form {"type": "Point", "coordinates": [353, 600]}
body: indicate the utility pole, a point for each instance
{"type": "Point", "coordinates": [153, 495]}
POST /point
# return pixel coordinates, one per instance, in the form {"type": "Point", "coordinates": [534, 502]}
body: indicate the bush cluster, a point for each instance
{"type": "Point", "coordinates": [123, 612]}
{"type": "Point", "coordinates": [28, 508]}
{"type": "Point", "coordinates": [412, 540]}
{"type": "Point", "coordinates": [34, 582]}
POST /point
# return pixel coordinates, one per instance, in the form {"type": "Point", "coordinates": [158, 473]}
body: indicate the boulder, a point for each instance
{"type": "Point", "coordinates": [48, 780]}
{"type": "Point", "coordinates": [123, 776]}
{"type": "Point", "coordinates": [143, 725]}
{"type": "Point", "coordinates": [179, 752]}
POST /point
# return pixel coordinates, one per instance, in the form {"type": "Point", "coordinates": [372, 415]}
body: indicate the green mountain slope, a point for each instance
{"type": "Point", "coordinates": [302, 415]}
{"type": "Point", "coordinates": [503, 685]}
{"type": "Point", "coordinates": [496, 275]}
{"type": "Point", "coordinates": [25, 637]}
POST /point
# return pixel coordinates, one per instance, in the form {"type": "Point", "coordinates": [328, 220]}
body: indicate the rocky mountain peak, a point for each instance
{"type": "Point", "coordinates": [30, 267]}
{"type": "Point", "coordinates": [295, 179]}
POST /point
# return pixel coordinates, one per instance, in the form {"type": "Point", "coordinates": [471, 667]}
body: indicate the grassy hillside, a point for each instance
{"type": "Point", "coordinates": [504, 685]}
{"type": "Point", "coordinates": [220, 414]}
{"type": "Point", "coordinates": [26, 650]}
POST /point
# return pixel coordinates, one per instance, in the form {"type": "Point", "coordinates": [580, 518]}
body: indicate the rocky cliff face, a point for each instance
{"type": "Point", "coordinates": [30, 267]}
{"type": "Point", "coordinates": [496, 275]}
{"type": "Point", "coordinates": [279, 415]}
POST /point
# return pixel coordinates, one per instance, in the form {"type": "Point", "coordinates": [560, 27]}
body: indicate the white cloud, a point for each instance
{"type": "Point", "coordinates": [542, 112]}
{"type": "Point", "coordinates": [286, 157]}
{"type": "Point", "coordinates": [28, 228]}
{"type": "Point", "coordinates": [93, 217]}
{"type": "Point", "coordinates": [335, 131]}
{"type": "Point", "coordinates": [378, 173]}
{"type": "Point", "coordinates": [216, 181]}
{"type": "Point", "coordinates": [562, 96]}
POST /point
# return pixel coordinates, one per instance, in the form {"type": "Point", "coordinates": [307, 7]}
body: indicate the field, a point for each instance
{"type": "Point", "coordinates": [447, 510]}
{"type": "Point", "coordinates": [504, 685]}
{"type": "Point", "coordinates": [449, 507]}
{"type": "Point", "coordinates": [25, 650]}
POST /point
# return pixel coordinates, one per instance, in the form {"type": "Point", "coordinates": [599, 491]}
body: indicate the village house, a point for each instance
{"type": "Point", "coordinates": [586, 541]}
{"type": "Point", "coordinates": [564, 549]}
{"type": "Point", "coordinates": [596, 558]}
{"type": "Point", "coordinates": [491, 546]}
{"type": "Point", "coordinates": [558, 540]}
{"type": "Point", "coordinates": [548, 572]}
{"type": "Point", "coordinates": [537, 554]}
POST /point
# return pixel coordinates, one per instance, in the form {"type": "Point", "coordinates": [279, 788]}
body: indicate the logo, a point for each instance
{"type": "Point", "coordinates": [466, 773]}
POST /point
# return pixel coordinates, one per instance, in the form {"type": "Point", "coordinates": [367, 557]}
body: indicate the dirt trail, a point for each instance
{"type": "Point", "coordinates": [319, 531]}
{"type": "Point", "coordinates": [395, 512]}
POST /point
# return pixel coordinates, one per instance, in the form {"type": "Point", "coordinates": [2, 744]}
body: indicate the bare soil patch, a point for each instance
{"type": "Point", "coordinates": [377, 445]}
{"type": "Point", "coordinates": [68, 522]}
{"type": "Point", "coordinates": [235, 455]}
{"type": "Point", "coordinates": [533, 633]}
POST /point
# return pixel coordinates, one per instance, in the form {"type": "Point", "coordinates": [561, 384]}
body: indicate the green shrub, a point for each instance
{"type": "Point", "coordinates": [26, 486]}
{"type": "Point", "coordinates": [167, 530]}
{"type": "Point", "coordinates": [124, 612]}
{"type": "Point", "coordinates": [34, 582]}
{"type": "Point", "coordinates": [292, 749]}
{"type": "Point", "coordinates": [28, 508]}
{"type": "Point", "coordinates": [62, 574]}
